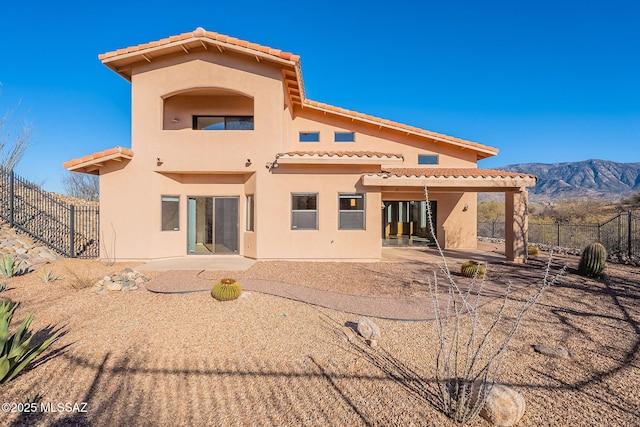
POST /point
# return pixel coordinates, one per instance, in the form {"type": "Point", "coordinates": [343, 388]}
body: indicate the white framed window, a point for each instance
{"type": "Point", "coordinates": [351, 211]}
{"type": "Point", "coordinates": [170, 206]}
{"type": "Point", "coordinates": [304, 211]}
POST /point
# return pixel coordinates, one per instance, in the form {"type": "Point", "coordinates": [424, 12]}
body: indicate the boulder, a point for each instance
{"type": "Point", "coordinates": [367, 329]}
{"type": "Point", "coordinates": [504, 406]}
{"type": "Point", "coordinates": [552, 351]}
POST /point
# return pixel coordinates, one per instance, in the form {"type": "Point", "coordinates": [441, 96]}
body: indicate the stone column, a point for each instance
{"type": "Point", "coordinates": [516, 226]}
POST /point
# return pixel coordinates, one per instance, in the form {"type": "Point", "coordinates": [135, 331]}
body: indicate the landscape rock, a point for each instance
{"type": "Point", "coordinates": [114, 286]}
{"type": "Point", "coordinates": [552, 351]}
{"type": "Point", "coordinates": [124, 281]}
{"type": "Point", "coordinates": [504, 406]}
{"type": "Point", "coordinates": [367, 329]}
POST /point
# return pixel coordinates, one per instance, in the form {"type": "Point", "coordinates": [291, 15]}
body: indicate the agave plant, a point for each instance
{"type": "Point", "coordinates": [15, 353]}
{"type": "Point", "coordinates": [8, 266]}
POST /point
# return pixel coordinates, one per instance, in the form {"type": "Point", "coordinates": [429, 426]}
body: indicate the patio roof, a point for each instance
{"type": "Point", "coordinates": [462, 178]}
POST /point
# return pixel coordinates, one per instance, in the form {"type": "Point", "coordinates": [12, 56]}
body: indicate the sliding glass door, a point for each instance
{"type": "Point", "coordinates": [212, 225]}
{"type": "Point", "coordinates": [405, 223]}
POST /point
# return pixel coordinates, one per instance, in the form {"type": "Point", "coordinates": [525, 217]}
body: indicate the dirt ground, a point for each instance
{"type": "Point", "coordinates": [145, 359]}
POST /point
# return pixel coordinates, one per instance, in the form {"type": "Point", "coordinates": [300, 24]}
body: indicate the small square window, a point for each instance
{"type": "Point", "coordinates": [309, 136]}
{"type": "Point", "coordinates": [344, 137]}
{"type": "Point", "coordinates": [304, 211]}
{"type": "Point", "coordinates": [427, 159]}
{"type": "Point", "coordinates": [170, 213]}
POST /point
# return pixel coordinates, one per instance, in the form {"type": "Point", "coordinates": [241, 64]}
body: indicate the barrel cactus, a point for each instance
{"type": "Point", "coordinates": [226, 290]}
{"type": "Point", "coordinates": [593, 260]}
{"type": "Point", "coordinates": [533, 250]}
{"type": "Point", "coordinates": [469, 269]}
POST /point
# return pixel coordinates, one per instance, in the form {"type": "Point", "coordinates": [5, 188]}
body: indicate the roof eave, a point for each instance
{"type": "Point", "coordinates": [149, 54]}
{"type": "Point", "coordinates": [483, 152]}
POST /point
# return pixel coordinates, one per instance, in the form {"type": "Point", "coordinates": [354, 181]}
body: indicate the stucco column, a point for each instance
{"type": "Point", "coordinates": [516, 226]}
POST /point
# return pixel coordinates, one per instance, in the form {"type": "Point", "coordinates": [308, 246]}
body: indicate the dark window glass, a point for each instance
{"type": "Point", "coordinates": [427, 159]}
{"type": "Point", "coordinates": [351, 212]}
{"type": "Point", "coordinates": [309, 136]}
{"type": "Point", "coordinates": [345, 137]}
{"type": "Point", "coordinates": [223, 123]}
{"type": "Point", "coordinates": [304, 211]}
{"type": "Point", "coordinates": [170, 213]}
{"type": "Point", "coordinates": [250, 208]}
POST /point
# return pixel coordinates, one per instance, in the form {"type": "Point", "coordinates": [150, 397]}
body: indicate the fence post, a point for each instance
{"type": "Point", "coordinates": [620, 230]}
{"type": "Point", "coordinates": [72, 231]}
{"type": "Point", "coordinates": [11, 196]}
{"type": "Point", "coordinates": [558, 235]}
{"type": "Point", "coordinates": [629, 234]}
{"type": "Point", "coordinates": [493, 229]}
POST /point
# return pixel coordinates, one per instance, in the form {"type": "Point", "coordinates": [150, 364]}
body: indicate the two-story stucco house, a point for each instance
{"type": "Point", "coordinates": [228, 156]}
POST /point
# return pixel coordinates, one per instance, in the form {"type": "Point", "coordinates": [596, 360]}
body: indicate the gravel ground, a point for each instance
{"type": "Point", "coordinates": [144, 359]}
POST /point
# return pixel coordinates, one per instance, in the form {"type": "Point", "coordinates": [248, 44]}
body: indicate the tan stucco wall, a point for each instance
{"type": "Point", "coordinates": [172, 159]}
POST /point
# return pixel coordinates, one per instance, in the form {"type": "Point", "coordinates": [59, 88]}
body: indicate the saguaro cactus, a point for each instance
{"type": "Point", "coordinates": [593, 260]}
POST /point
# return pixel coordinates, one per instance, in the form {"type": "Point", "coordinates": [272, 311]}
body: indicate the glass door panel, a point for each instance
{"type": "Point", "coordinates": [404, 223]}
{"type": "Point", "coordinates": [226, 225]}
{"type": "Point", "coordinates": [212, 225]}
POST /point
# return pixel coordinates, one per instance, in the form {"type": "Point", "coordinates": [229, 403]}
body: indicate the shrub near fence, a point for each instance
{"type": "Point", "coordinates": [618, 234]}
{"type": "Point", "coordinates": [68, 229]}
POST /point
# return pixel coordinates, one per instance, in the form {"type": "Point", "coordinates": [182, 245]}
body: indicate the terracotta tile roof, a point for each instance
{"type": "Point", "coordinates": [490, 151]}
{"type": "Point", "coordinates": [369, 154]}
{"type": "Point", "coordinates": [453, 173]}
{"type": "Point", "coordinates": [292, 79]}
{"type": "Point", "coordinates": [125, 152]}
{"type": "Point", "coordinates": [201, 33]}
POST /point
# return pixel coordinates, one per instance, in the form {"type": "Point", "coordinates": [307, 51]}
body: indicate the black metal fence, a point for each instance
{"type": "Point", "coordinates": [618, 234]}
{"type": "Point", "coordinates": [69, 229]}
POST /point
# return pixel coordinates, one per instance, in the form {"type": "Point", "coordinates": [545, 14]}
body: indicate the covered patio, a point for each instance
{"type": "Point", "coordinates": [409, 184]}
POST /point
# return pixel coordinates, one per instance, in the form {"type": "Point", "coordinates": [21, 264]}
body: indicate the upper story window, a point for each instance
{"type": "Point", "coordinates": [428, 159]}
{"type": "Point", "coordinates": [223, 122]}
{"type": "Point", "coordinates": [309, 137]}
{"type": "Point", "coordinates": [344, 137]}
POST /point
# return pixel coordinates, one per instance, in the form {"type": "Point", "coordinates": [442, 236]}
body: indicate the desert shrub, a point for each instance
{"type": "Point", "coordinates": [533, 250]}
{"type": "Point", "coordinates": [14, 352]}
{"type": "Point", "coordinates": [80, 281]}
{"type": "Point", "coordinates": [472, 268]}
{"type": "Point", "coordinates": [226, 289]}
{"type": "Point", "coordinates": [593, 260]}
{"type": "Point", "coordinates": [469, 353]}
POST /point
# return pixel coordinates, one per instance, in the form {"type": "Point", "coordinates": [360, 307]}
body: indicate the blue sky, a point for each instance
{"type": "Point", "coordinates": [543, 81]}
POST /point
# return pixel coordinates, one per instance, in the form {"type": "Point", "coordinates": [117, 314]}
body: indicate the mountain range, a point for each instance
{"type": "Point", "coordinates": [589, 179]}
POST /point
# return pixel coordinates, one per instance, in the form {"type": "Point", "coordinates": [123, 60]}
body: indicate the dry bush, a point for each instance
{"type": "Point", "coordinates": [470, 350]}
{"type": "Point", "coordinates": [78, 280]}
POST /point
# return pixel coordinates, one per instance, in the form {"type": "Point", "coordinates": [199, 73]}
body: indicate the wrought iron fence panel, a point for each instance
{"type": "Point", "coordinates": [618, 234]}
{"type": "Point", "coordinates": [68, 229]}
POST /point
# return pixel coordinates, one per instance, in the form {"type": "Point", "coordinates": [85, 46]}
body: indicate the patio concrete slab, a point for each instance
{"type": "Point", "coordinates": [199, 263]}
